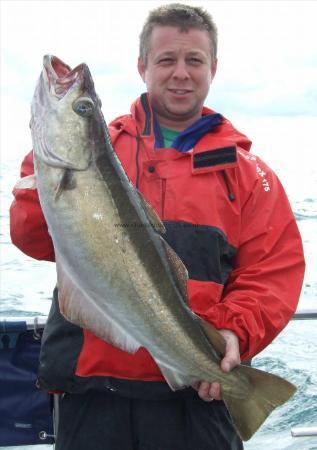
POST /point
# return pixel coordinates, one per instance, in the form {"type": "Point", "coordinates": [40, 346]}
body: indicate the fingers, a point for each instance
{"type": "Point", "coordinates": [232, 356]}
{"type": "Point", "coordinates": [215, 391]}
{"type": "Point", "coordinates": [212, 391]}
{"type": "Point", "coordinates": [229, 362]}
{"type": "Point", "coordinates": [209, 391]}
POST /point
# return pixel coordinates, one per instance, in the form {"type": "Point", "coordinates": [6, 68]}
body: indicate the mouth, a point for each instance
{"type": "Point", "coordinates": [180, 91]}
{"type": "Point", "coordinates": [56, 66]}
{"type": "Point", "coordinates": [60, 76]}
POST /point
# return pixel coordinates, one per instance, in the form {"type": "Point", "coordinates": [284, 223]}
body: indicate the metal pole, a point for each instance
{"type": "Point", "coordinates": [305, 314]}
{"type": "Point", "coordinates": [39, 321]}
{"type": "Point", "coordinates": [304, 431]}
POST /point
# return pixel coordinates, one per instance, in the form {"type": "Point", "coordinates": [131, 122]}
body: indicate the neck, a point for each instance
{"type": "Point", "coordinates": [176, 125]}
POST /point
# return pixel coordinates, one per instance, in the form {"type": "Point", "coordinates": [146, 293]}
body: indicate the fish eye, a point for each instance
{"type": "Point", "coordinates": [84, 106]}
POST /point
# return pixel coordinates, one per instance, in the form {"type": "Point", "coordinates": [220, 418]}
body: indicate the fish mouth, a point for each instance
{"type": "Point", "coordinates": [61, 78]}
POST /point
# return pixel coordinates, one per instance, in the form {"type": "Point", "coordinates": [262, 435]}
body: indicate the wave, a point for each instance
{"type": "Point", "coordinates": [305, 215]}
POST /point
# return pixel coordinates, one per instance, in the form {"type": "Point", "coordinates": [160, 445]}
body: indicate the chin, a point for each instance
{"type": "Point", "coordinates": [184, 114]}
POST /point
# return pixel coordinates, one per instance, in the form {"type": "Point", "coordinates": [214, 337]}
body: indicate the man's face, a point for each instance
{"type": "Point", "coordinates": [178, 74]}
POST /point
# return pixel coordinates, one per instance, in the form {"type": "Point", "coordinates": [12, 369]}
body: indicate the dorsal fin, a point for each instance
{"type": "Point", "coordinates": [216, 339]}
{"type": "Point", "coordinates": [178, 269]}
{"type": "Point", "coordinates": [152, 215]}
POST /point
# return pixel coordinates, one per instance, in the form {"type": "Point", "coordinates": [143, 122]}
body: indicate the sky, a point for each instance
{"type": "Point", "coordinates": [265, 82]}
{"type": "Point", "coordinates": [267, 62]}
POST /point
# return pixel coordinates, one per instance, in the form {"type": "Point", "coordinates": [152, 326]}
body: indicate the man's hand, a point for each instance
{"type": "Point", "coordinates": [212, 391]}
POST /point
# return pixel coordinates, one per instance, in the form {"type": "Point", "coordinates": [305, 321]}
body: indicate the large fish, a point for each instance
{"type": "Point", "coordinates": [116, 275]}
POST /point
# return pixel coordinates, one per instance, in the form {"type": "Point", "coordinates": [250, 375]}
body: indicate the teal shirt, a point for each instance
{"type": "Point", "coordinates": [169, 136]}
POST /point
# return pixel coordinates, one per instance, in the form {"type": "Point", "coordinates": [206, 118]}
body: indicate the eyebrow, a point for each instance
{"type": "Point", "coordinates": [172, 53]}
{"type": "Point", "coordinates": [195, 53]}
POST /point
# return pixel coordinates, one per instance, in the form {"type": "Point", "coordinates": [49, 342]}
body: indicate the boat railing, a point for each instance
{"type": "Point", "coordinates": [34, 322]}
{"type": "Point", "coordinates": [304, 314]}
{"type": "Point", "coordinates": [37, 324]}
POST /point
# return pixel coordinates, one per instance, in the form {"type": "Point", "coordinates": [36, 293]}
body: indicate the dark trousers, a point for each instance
{"type": "Point", "coordinates": [108, 421]}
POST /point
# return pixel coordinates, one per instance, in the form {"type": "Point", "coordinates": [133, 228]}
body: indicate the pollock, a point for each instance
{"type": "Point", "coordinates": [116, 274]}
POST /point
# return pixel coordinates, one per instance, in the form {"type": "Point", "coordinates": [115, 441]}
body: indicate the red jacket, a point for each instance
{"type": "Point", "coordinates": [235, 232]}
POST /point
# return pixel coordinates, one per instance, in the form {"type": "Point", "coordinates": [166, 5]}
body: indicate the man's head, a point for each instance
{"type": "Point", "coordinates": [183, 17]}
{"type": "Point", "coordinates": [177, 62]}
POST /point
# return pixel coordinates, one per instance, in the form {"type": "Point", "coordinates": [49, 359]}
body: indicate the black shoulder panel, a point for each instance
{"type": "Point", "coordinates": [219, 156]}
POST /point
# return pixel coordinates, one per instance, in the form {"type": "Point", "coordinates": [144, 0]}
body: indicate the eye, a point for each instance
{"type": "Point", "coordinates": [84, 106]}
{"type": "Point", "coordinates": [194, 61]}
{"type": "Point", "coordinates": [166, 61]}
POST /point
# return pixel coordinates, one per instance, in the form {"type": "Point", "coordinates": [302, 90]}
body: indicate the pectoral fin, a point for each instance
{"type": "Point", "coordinates": [67, 182]}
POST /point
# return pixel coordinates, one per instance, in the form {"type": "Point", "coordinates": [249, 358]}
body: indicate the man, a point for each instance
{"type": "Point", "coordinates": [229, 220]}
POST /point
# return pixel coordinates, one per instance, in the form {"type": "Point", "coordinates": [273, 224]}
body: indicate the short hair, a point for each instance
{"type": "Point", "coordinates": [184, 17]}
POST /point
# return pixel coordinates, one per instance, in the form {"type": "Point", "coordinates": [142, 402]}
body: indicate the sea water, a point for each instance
{"type": "Point", "coordinates": [287, 145]}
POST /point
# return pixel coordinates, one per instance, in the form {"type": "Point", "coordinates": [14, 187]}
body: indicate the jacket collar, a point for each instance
{"type": "Point", "coordinates": [141, 123]}
{"type": "Point", "coordinates": [187, 139]}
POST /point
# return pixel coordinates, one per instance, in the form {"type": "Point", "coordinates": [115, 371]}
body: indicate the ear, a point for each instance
{"type": "Point", "coordinates": [214, 68]}
{"type": "Point", "coordinates": [141, 68]}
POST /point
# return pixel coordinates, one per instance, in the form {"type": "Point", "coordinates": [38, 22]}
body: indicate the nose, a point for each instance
{"type": "Point", "coordinates": [180, 70]}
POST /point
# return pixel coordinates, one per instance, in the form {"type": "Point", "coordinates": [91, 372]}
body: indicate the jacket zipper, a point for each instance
{"type": "Point", "coordinates": [137, 164]}
{"type": "Point", "coordinates": [163, 198]}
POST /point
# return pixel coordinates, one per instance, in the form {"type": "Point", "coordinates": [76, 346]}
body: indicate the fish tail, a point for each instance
{"type": "Point", "coordinates": [269, 391]}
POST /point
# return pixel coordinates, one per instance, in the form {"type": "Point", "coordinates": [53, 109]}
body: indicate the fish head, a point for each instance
{"type": "Point", "coordinates": [62, 115]}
